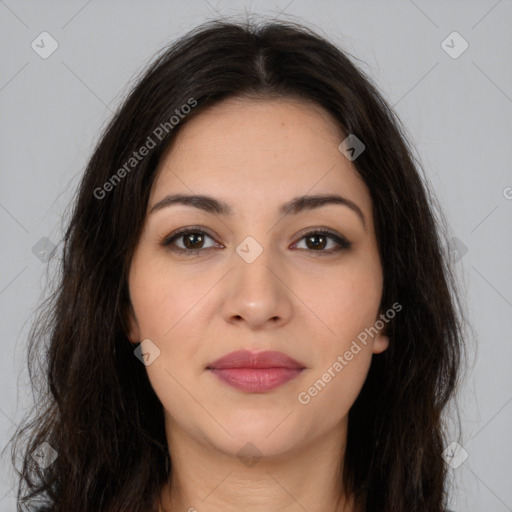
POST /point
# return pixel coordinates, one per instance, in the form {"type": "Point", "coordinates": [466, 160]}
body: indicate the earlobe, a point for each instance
{"type": "Point", "coordinates": [380, 344]}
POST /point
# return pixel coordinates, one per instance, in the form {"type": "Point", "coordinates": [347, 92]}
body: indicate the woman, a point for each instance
{"type": "Point", "coordinates": [255, 310]}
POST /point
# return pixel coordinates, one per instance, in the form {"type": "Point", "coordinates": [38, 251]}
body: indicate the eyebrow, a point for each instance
{"type": "Point", "coordinates": [296, 205]}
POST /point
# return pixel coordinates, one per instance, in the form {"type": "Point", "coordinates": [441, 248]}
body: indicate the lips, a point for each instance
{"type": "Point", "coordinates": [255, 372]}
{"type": "Point", "coordinates": [247, 359]}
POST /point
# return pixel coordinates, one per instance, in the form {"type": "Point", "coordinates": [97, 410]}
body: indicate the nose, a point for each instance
{"type": "Point", "coordinates": [258, 293]}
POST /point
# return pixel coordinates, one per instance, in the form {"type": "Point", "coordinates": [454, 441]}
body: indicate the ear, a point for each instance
{"type": "Point", "coordinates": [380, 343]}
{"type": "Point", "coordinates": [132, 326]}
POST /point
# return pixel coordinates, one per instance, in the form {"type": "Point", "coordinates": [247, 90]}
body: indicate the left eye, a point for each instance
{"type": "Point", "coordinates": [316, 240]}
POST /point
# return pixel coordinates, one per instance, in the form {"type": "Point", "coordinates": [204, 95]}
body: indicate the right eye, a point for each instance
{"type": "Point", "coordinates": [192, 240]}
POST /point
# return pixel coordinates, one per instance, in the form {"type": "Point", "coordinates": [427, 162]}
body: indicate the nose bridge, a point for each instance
{"type": "Point", "coordinates": [257, 293]}
{"type": "Point", "coordinates": [254, 262]}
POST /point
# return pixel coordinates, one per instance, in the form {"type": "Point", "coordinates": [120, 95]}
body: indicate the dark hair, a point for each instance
{"type": "Point", "coordinates": [97, 409]}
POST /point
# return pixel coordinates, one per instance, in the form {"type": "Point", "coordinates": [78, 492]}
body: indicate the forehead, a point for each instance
{"type": "Point", "coordinates": [249, 151]}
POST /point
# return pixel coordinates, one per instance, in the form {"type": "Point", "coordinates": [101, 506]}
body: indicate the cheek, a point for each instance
{"type": "Point", "coordinates": [163, 295]}
{"type": "Point", "coordinates": [177, 392]}
{"type": "Point", "coordinates": [332, 391]}
{"type": "Point", "coordinates": [342, 303]}
{"type": "Point", "coordinates": [169, 304]}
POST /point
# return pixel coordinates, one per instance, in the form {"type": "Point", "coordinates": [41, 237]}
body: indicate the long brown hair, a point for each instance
{"type": "Point", "coordinates": [96, 407]}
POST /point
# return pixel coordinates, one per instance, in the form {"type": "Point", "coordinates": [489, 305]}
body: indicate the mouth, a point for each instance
{"type": "Point", "coordinates": [255, 372]}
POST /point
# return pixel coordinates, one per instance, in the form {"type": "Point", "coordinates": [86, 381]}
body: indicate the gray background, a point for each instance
{"type": "Point", "coordinates": [458, 112]}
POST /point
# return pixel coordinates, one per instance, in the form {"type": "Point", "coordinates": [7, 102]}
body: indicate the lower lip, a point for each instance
{"type": "Point", "coordinates": [255, 380]}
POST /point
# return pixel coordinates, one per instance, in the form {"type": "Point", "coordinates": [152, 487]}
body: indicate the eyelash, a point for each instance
{"type": "Point", "coordinates": [343, 243]}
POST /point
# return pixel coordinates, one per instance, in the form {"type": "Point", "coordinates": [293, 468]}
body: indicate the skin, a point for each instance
{"type": "Point", "coordinates": [255, 155]}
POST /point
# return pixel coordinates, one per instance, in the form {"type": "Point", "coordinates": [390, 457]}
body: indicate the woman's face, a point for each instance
{"type": "Point", "coordinates": [256, 281]}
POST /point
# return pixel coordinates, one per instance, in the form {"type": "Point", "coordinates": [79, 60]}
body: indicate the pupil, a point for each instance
{"type": "Point", "coordinates": [189, 240]}
{"type": "Point", "coordinates": [312, 237]}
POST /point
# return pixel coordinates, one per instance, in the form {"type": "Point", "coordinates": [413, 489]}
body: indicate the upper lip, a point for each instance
{"type": "Point", "coordinates": [248, 359]}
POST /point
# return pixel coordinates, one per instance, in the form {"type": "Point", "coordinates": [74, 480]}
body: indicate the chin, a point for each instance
{"type": "Point", "coordinates": [249, 447]}
{"type": "Point", "coordinates": [267, 434]}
